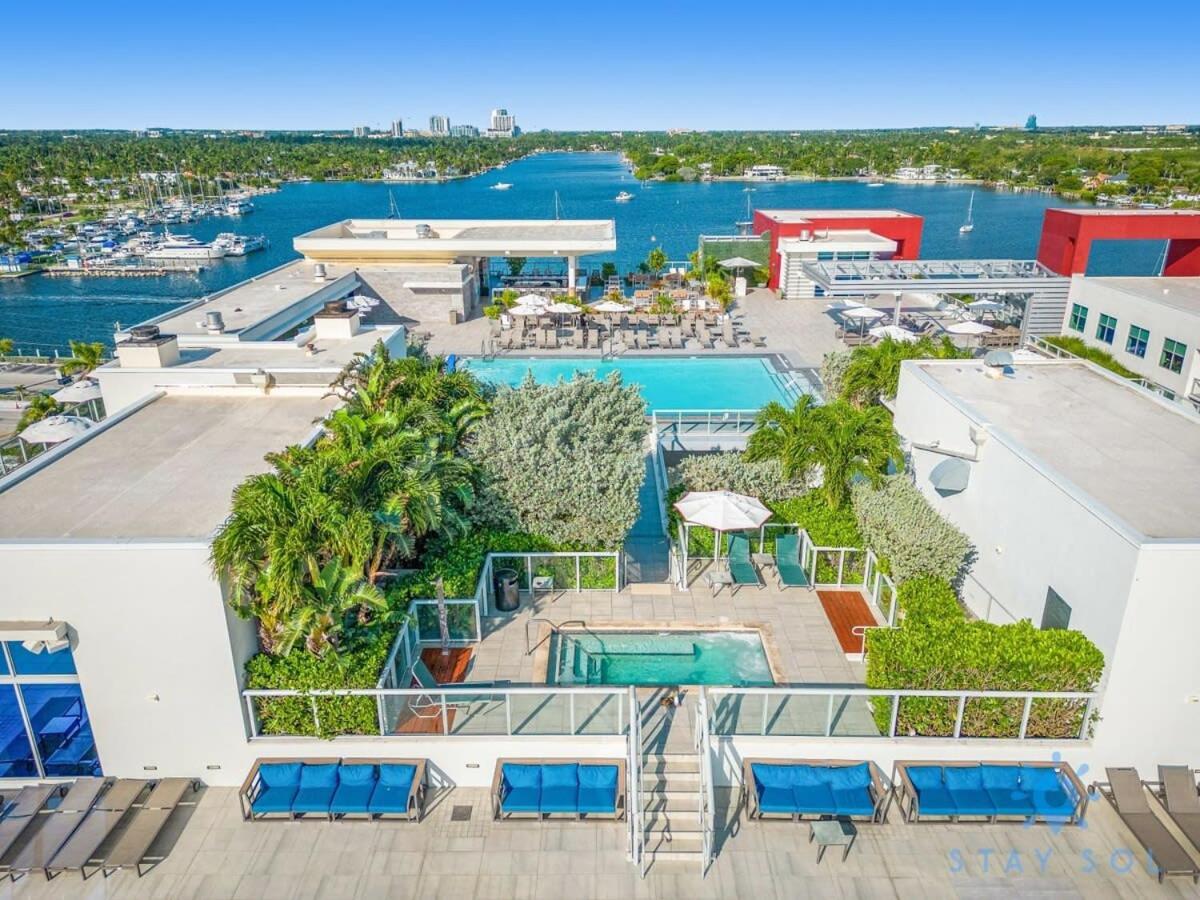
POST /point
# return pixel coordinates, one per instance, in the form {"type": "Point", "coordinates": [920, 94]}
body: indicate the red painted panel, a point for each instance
{"type": "Point", "coordinates": [1067, 236]}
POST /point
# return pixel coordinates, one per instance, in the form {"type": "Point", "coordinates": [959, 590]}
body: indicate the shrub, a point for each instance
{"type": "Point", "coordinates": [833, 371]}
{"type": "Point", "coordinates": [929, 600]}
{"type": "Point", "coordinates": [898, 523]}
{"type": "Point", "coordinates": [1081, 348]}
{"type": "Point", "coordinates": [827, 527]}
{"type": "Point", "coordinates": [731, 471]}
{"type": "Point", "coordinates": [564, 461]}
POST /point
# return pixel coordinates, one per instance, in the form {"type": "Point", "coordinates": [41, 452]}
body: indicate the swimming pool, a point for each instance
{"type": "Point", "coordinates": [730, 382]}
{"type": "Point", "coordinates": [735, 658]}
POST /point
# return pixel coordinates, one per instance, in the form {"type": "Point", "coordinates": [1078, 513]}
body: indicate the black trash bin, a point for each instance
{"type": "Point", "coordinates": [508, 590]}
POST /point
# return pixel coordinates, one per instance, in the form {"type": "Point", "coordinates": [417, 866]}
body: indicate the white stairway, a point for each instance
{"type": "Point", "coordinates": [670, 784]}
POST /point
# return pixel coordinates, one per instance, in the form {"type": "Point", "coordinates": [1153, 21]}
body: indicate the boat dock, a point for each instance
{"type": "Point", "coordinates": [171, 267]}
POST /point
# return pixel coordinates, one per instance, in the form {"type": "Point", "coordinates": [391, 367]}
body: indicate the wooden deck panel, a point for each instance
{"type": "Point", "coordinates": [847, 610]}
{"type": "Point", "coordinates": [450, 669]}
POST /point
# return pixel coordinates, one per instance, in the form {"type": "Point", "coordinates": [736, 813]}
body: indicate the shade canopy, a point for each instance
{"type": "Point", "coordinates": [561, 307]}
{"type": "Point", "coordinates": [864, 313]}
{"type": "Point", "coordinates": [80, 391]}
{"type": "Point", "coordinates": [950, 476]}
{"type": "Point", "coordinates": [722, 510]}
{"type": "Point", "coordinates": [527, 311]}
{"type": "Point", "coordinates": [532, 300]}
{"type": "Point", "coordinates": [737, 262]}
{"type": "Point", "coordinates": [985, 306]}
{"type": "Point", "coordinates": [895, 332]}
{"type": "Point", "coordinates": [969, 328]}
{"type": "Point", "coordinates": [55, 429]}
{"type": "Point", "coordinates": [610, 306]}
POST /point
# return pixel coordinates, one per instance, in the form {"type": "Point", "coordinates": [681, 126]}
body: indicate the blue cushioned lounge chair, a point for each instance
{"type": "Point", "coordinates": [318, 784]}
{"type": "Point", "coordinates": [334, 788]}
{"type": "Point", "coordinates": [741, 568]}
{"type": "Point", "coordinates": [399, 790]}
{"type": "Point", "coordinates": [787, 561]}
{"type": "Point", "coordinates": [796, 789]}
{"type": "Point", "coordinates": [545, 787]}
{"type": "Point", "coordinates": [273, 784]}
{"type": "Point", "coordinates": [989, 791]}
{"type": "Point", "coordinates": [356, 783]}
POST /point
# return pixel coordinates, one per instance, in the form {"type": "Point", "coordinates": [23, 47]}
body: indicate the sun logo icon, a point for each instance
{"type": "Point", "coordinates": [1052, 796]}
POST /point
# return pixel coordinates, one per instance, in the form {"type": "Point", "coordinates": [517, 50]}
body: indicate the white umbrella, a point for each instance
{"type": "Point", "coordinates": [610, 306]}
{"type": "Point", "coordinates": [895, 332]}
{"type": "Point", "coordinates": [737, 262]}
{"type": "Point", "coordinates": [722, 511]}
{"type": "Point", "coordinates": [969, 328]}
{"type": "Point", "coordinates": [55, 429]}
{"type": "Point", "coordinates": [985, 306]}
{"type": "Point", "coordinates": [864, 313]}
{"type": "Point", "coordinates": [532, 300]}
{"type": "Point", "coordinates": [527, 311]}
{"type": "Point", "coordinates": [561, 307]}
{"type": "Point", "coordinates": [78, 391]}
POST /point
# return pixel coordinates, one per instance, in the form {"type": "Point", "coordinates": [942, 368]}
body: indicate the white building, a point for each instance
{"type": "Point", "coordinates": [398, 128]}
{"type": "Point", "coordinates": [362, 130]}
{"type": "Point", "coordinates": [439, 126]}
{"type": "Point", "coordinates": [765, 173]}
{"type": "Point", "coordinates": [1081, 501]}
{"type": "Point", "coordinates": [501, 123]}
{"type": "Point", "coordinates": [1150, 325]}
{"type": "Point", "coordinates": [821, 246]}
{"type": "Point", "coordinates": [464, 131]}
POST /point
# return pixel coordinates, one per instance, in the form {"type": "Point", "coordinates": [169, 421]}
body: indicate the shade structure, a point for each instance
{"type": "Point", "coordinates": [562, 308]}
{"type": "Point", "coordinates": [610, 306]}
{"type": "Point", "coordinates": [532, 300]}
{"type": "Point", "coordinates": [80, 391]}
{"type": "Point", "coordinates": [862, 313]}
{"type": "Point", "coordinates": [895, 332]}
{"type": "Point", "coordinates": [985, 306]}
{"type": "Point", "coordinates": [55, 429]}
{"type": "Point", "coordinates": [527, 311]}
{"type": "Point", "coordinates": [722, 511]}
{"type": "Point", "coordinates": [969, 328]}
{"type": "Point", "coordinates": [737, 262]}
{"type": "Point", "coordinates": [950, 476]}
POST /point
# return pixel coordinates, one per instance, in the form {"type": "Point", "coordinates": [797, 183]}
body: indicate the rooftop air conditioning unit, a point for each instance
{"type": "Point", "coordinates": [319, 272]}
{"type": "Point", "coordinates": [806, 235]}
{"type": "Point", "coordinates": [423, 230]}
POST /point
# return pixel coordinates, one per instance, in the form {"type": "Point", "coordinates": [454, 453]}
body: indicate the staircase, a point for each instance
{"type": "Point", "coordinates": [670, 784]}
{"type": "Point", "coordinates": [647, 552]}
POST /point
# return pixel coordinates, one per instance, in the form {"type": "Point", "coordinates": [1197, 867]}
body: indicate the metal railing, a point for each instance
{"type": "Point", "coordinates": [15, 452]}
{"type": "Point", "coordinates": [852, 712]}
{"type": "Point", "coordinates": [702, 421]}
{"type": "Point", "coordinates": [417, 606]}
{"type": "Point", "coordinates": [637, 828]}
{"type": "Point", "coordinates": [707, 805]}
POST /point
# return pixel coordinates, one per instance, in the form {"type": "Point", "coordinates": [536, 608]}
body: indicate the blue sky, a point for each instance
{"type": "Point", "coordinates": [610, 65]}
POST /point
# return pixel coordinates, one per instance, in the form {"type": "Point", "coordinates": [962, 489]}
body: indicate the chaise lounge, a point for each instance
{"type": "Point", "coordinates": [741, 568]}
{"type": "Point", "coordinates": [950, 791]}
{"type": "Point", "coordinates": [543, 787]}
{"type": "Point", "coordinates": [333, 788]}
{"type": "Point", "coordinates": [793, 789]}
{"type": "Point", "coordinates": [1127, 795]}
{"type": "Point", "coordinates": [1179, 795]}
{"type": "Point", "coordinates": [787, 562]}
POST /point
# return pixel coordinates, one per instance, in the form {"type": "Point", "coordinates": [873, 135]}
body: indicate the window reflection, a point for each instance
{"type": "Point", "coordinates": [16, 756]}
{"type": "Point", "coordinates": [61, 728]}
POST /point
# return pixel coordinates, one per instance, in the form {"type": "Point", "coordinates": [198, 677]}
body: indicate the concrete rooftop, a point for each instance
{"type": "Point", "coordinates": [792, 216]}
{"type": "Point", "coordinates": [1135, 455]}
{"type": "Point", "coordinates": [1177, 293]}
{"type": "Point", "coordinates": [166, 471]}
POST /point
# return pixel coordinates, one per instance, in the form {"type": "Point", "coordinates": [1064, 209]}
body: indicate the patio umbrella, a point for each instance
{"type": "Point", "coordinates": [55, 429]}
{"type": "Point", "coordinates": [562, 308]}
{"type": "Point", "coordinates": [738, 263]}
{"type": "Point", "coordinates": [895, 332]}
{"type": "Point", "coordinates": [969, 327]}
{"type": "Point", "coordinates": [527, 311]}
{"type": "Point", "coordinates": [861, 314]}
{"type": "Point", "coordinates": [722, 511]}
{"type": "Point", "coordinates": [80, 391]}
{"type": "Point", "coordinates": [611, 306]}
{"type": "Point", "coordinates": [532, 300]}
{"type": "Point", "coordinates": [985, 306]}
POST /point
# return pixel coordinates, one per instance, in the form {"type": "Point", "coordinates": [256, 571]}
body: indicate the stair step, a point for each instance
{"type": "Point", "coordinates": [681, 803]}
{"type": "Point", "coordinates": [679, 843]}
{"type": "Point", "coordinates": [679, 783]}
{"type": "Point", "coordinates": [687, 765]}
{"type": "Point", "coordinates": [686, 828]}
{"type": "Point", "coordinates": [692, 857]}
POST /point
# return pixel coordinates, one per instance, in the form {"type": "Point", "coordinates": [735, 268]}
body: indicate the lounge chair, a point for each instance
{"type": "Point", "coordinates": [758, 340]}
{"type": "Point", "coordinates": [21, 814]}
{"type": "Point", "coordinates": [951, 790]}
{"type": "Point", "coordinates": [1125, 791]}
{"type": "Point", "coordinates": [58, 825]}
{"type": "Point", "coordinates": [545, 787]}
{"type": "Point", "coordinates": [397, 788]}
{"type": "Point", "coordinates": [80, 850]}
{"type": "Point", "coordinates": [429, 706]}
{"type": "Point", "coordinates": [1176, 790]}
{"type": "Point", "coordinates": [133, 846]}
{"type": "Point", "coordinates": [795, 788]}
{"type": "Point", "coordinates": [741, 569]}
{"type": "Point", "coordinates": [787, 561]}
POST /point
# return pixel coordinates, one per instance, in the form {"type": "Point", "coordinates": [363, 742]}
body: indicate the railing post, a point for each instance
{"type": "Point", "coordinates": [1087, 714]}
{"type": "Point", "coordinates": [316, 716]}
{"type": "Point", "coordinates": [1025, 716]}
{"type": "Point", "coordinates": [895, 715]}
{"type": "Point", "coordinates": [829, 715]}
{"type": "Point", "coordinates": [766, 698]}
{"type": "Point", "coordinates": [382, 715]}
{"type": "Point", "coordinates": [508, 712]}
{"type": "Point", "coordinates": [571, 709]}
{"type": "Point", "coordinates": [841, 565]}
{"type": "Point", "coordinates": [578, 577]}
{"type": "Point", "coordinates": [251, 716]}
{"type": "Point", "coordinates": [962, 703]}
{"type": "Point", "coordinates": [529, 574]}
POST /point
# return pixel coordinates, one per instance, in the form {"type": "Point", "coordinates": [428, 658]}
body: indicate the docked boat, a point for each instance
{"type": "Point", "coordinates": [184, 246]}
{"type": "Point", "coordinates": [874, 182]}
{"type": "Point", "coordinates": [237, 207]}
{"type": "Point", "coordinates": [501, 186]}
{"type": "Point", "coordinates": [624, 197]}
{"type": "Point", "coordinates": [239, 244]}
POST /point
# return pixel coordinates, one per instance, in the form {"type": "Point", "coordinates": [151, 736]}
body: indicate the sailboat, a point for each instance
{"type": "Point", "coordinates": [968, 226]}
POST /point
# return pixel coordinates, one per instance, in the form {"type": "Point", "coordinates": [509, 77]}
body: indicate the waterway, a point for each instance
{"type": "Point", "coordinates": [45, 312]}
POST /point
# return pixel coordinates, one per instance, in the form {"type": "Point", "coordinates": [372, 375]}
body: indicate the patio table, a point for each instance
{"type": "Point", "coordinates": [717, 580]}
{"type": "Point", "coordinates": [832, 833]}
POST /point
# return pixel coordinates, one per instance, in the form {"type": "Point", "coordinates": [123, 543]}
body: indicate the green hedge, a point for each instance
{"type": "Point", "coordinates": [1081, 348]}
{"type": "Point", "coordinates": [938, 648]}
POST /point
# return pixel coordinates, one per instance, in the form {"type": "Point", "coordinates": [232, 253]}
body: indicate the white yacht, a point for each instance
{"type": "Point", "coordinates": [239, 244]}
{"type": "Point", "coordinates": [235, 206]}
{"type": "Point", "coordinates": [624, 197]}
{"type": "Point", "coordinates": [184, 246]}
{"type": "Point", "coordinates": [501, 186]}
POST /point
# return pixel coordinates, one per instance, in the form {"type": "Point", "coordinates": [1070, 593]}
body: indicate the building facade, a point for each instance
{"type": "Point", "coordinates": [439, 126]}
{"type": "Point", "coordinates": [502, 123]}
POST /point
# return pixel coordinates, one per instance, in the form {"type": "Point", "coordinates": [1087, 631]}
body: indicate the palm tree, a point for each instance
{"type": "Point", "coordinates": [842, 442]}
{"type": "Point", "coordinates": [6, 346]}
{"type": "Point", "coordinates": [656, 261]}
{"type": "Point", "coordinates": [333, 594]}
{"type": "Point", "coordinates": [41, 406]}
{"type": "Point", "coordinates": [85, 357]}
{"type": "Point", "coordinates": [874, 371]}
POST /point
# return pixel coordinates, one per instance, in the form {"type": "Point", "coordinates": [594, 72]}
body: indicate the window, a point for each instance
{"type": "Point", "coordinates": [1136, 344]}
{"type": "Point", "coordinates": [1078, 318]}
{"type": "Point", "coordinates": [1106, 329]}
{"type": "Point", "coordinates": [1056, 614]}
{"type": "Point", "coordinates": [1172, 355]}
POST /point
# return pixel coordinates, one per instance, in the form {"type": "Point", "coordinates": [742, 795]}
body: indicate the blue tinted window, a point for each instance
{"type": "Point", "coordinates": [62, 729]}
{"type": "Point", "coordinates": [44, 663]}
{"type": "Point", "coordinates": [16, 756]}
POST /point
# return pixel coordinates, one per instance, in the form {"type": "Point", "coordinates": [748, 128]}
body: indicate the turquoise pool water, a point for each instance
{"type": "Point", "coordinates": [745, 382]}
{"type": "Point", "coordinates": [735, 658]}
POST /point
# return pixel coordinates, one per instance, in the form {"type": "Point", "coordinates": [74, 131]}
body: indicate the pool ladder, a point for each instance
{"type": "Point", "coordinates": [554, 629]}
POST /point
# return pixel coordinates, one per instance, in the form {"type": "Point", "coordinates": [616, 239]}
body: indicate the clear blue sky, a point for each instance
{"type": "Point", "coordinates": [607, 65]}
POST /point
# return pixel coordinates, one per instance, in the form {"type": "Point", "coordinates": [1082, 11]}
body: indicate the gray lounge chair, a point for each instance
{"type": "Point", "coordinates": [21, 814]}
{"type": "Point", "coordinates": [133, 846]}
{"type": "Point", "coordinates": [79, 851]}
{"type": "Point", "coordinates": [1125, 791]}
{"type": "Point", "coordinates": [58, 825]}
{"type": "Point", "coordinates": [1176, 790]}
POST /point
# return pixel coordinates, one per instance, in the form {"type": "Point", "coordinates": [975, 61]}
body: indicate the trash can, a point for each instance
{"type": "Point", "coordinates": [508, 588]}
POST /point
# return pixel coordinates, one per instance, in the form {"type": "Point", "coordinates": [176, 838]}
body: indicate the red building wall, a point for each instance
{"type": "Point", "coordinates": [1067, 236]}
{"type": "Point", "coordinates": [905, 230]}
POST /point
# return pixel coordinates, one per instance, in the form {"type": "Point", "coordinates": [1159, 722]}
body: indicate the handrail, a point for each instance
{"type": "Point", "coordinates": [707, 804]}
{"type": "Point", "coordinates": [554, 629]}
{"type": "Point", "coordinates": [637, 829]}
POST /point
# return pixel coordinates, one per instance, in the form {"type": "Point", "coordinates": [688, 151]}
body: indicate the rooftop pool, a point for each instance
{"type": "Point", "coordinates": [658, 658]}
{"type": "Point", "coordinates": [678, 382]}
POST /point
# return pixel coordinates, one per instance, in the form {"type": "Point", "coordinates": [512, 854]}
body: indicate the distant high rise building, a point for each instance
{"type": "Point", "coordinates": [361, 130]}
{"type": "Point", "coordinates": [502, 124]}
{"type": "Point", "coordinates": [439, 126]}
{"type": "Point", "coordinates": [461, 131]}
{"type": "Point", "coordinates": [1031, 123]}
{"type": "Point", "coordinates": [398, 128]}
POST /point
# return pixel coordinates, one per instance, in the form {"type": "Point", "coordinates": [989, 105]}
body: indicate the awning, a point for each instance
{"type": "Point", "coordinates": [950, 476]}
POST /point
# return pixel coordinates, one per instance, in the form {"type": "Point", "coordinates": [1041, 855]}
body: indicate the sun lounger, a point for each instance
{"type": "Point", "coordinates": [1125, 791]}
{"type": "Point", "coordinates": [80, 850]}
{"type": "Point", "coordinates": [741, 569]}
{"type": "Point", "coordinates": [21, 814]}
{"type": "Point", "coordinates": [57, 825]}
{"type": "Point", "coordinates": [787, 561]}
{"type": "Point", "coordinates": [1176, 790]}
{"type": "Point", "coordinates": [133, 846]}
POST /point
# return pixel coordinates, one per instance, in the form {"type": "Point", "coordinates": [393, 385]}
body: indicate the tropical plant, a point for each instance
{"type": "Point", "coordinates": [833, 370]}
{"type": "Point", "coordinates": [873, 372]}
{"type": "Point", "coordinates": [85, 356]}
{"type": "Point", "coordinates": [6, 346]}
{"type": "Point", "coordinates": [656, 261]}
{"type": "Point", "coordinates": [731, 471]}
{"type": "Point", "coordinates": [841, 442]}
{"type": "Point", "coordinates": [515, 265]}
{"type": "Point", "coordinates": [1079, 347]}
{"type": "Point", "coordinates": [40, 406]}
{"type": "Point", "coordinates": [719, 291]}
{"type": "Point", "coordinates": [333, 593]}
{"type": "Point", "coordinates": [899, 523]}
{"type": "Point", "coordinates": [663, 305]}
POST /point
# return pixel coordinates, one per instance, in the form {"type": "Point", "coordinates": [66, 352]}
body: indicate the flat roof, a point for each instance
{"type": "Point", "coordinates": [1135, 455]}
{"type": "Point", "coordinates": [796, 216]}
{"type": "Point", "coordinates": [850, 239]}
{"type": "Point", "coordinates": [165, 471]}
{"type": "Point", "coordinates": [1101, 213]}
{"type": "Point", "coordinates": [1182, 293]}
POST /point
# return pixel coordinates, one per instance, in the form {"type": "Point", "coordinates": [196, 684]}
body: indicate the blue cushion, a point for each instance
{"type": "Point", "coordinates": [324, 775]}
{"type": "Point", "coordinates": [1010, 802]}
{"type": "Point", "coordinates": [597, 800]}
{"type": "Point", "coordinates": [280, 774]}
{"type": "Point", "coordinates": [352, 798]}
{"type": "Point", "coordinates": [274, 800]}
{"type": "Point", "coordinates": [397, 775]}
{"type": "Point", "coordinates": [843, 778]}
{"type": "Point", "coordinates": [923, 777]}
{"type": "Point", "coordinates": [768, 775]}
{"type": "Point", "coordinates": [559, 798]}
{"type": "Point", "coordinates": [777, 800]}
{"type": "Point", "coordinates": [560, 775]}
{"type": "Point", "coordinates": [1053, 804]}
{"type": "Point", "coordinates": [1040, 778]}
{"type": "Point", "coordinates": [313, 799]}
{"type": "Point", "coordinates": [809, 776]}
{"type": "Point", "coordinates": [971, 802]}
{"type": "Point", "coordinates": [1001, 777]}
{"type": "Point", "coordinates": [963, 778]}
{"type": "Point", "coordinates": [817, 799]}
{"type": "Point", "coordinates": [519, 775]}
{"type": "Point", "coordinates": [853, 802]}
{"type": "Point", "coordinates": [388, 799]}
{"type": "Point", "coordinates": [936, 801]}
{"type": "Point", "coordinates": [598, 777]}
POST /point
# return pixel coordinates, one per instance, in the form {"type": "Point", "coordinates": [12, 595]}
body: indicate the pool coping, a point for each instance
{"type": "Point", "coordinates": [541, 652]}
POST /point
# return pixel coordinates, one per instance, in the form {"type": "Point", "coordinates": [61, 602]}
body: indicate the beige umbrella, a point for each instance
{"type": "Point", "coordinates": [722, 511]}
{"type": "Point", "coordinates": [55, 429]}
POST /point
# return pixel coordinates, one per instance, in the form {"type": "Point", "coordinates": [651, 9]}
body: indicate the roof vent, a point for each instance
{"type": "Point", "coordinates": [334, 306]}
{"type": "Point", "coordinates": [319, 272]}
{"type": "Point", "coordinates": [214, 323]}
{"type": "Point", "coordinates": [423, 230]}
{"type": "Point", "coordinates": [143, 333]}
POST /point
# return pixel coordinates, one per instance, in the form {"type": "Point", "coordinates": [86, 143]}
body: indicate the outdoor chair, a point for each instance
{"type": "Point", "coordinates": [22, 812]}
{"type": "Point", "coordinates": [816, 788]}
{"type": "Point", "coordinates": [758, 340]}
{"type": "Point", "coordinates": [1176, 790]}
{"type": "Point", "coordinates": [787, 561]}
{"type": "Point", "coordinates": [545, 787]}
{"type": "Point", "coordinates": [108, 812]}
{"type": "Point", "coordinates": [950, 790]}
{"type": "Point", "coordinates": [397, 788]}
{"type": "Point", "coordinates": [132, 848]}
{"type": "Point", "coordinates": [741, 568]}
{"type": "Point", "coordinates": [57, 826]}
{"type": "Point", "coordinates": [429, 705]}
{"type": "Point", "coordinates": [1127, 795]}
{"type": "Point", "coordinates": [333, 788]}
